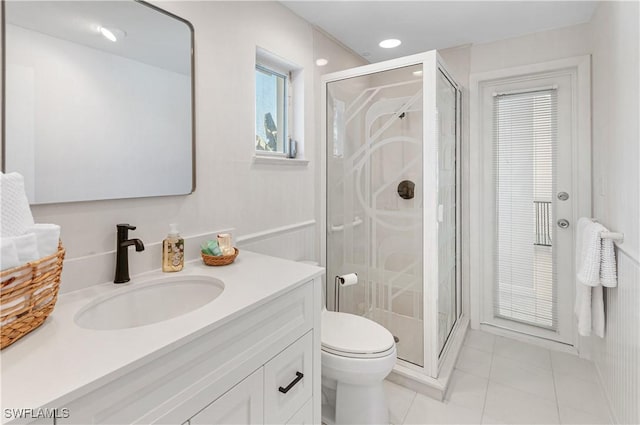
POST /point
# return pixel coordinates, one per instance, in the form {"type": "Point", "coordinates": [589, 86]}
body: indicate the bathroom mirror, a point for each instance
{"type": "Point", "coordinates": [98, 100]}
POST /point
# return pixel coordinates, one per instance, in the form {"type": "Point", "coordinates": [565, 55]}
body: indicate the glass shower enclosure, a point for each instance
{"type": "Point", "coordinates": [392, 132]}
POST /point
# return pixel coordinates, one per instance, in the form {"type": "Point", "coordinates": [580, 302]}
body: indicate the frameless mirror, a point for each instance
{"type": "Point", "coordinates": [98, 100]}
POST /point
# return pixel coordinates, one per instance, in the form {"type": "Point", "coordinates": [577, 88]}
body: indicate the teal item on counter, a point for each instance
{"type": "Point", "coordinates": [211, 248]}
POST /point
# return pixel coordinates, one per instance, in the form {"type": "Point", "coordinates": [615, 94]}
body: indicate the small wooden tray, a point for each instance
{"type": "Point", "coordinates": [219, 260]}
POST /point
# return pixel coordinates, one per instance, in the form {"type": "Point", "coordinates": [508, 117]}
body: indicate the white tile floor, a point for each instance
{"type": "Point", "coordinates": [502, 381]}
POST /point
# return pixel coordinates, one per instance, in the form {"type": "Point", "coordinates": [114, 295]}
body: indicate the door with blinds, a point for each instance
{"type": "Point", "coordinates": [529, 250]}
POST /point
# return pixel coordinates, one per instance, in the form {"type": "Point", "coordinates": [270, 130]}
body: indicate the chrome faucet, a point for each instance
{"type": "Point", "coordinates": [122, 252]}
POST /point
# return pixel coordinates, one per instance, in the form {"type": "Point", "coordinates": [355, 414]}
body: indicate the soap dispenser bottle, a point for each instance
{"type": "Point", "coordinates": [173, 251]}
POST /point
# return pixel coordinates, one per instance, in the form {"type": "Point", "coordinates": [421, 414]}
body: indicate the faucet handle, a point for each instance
{"type": "Point", "coordinates": [125, 226]}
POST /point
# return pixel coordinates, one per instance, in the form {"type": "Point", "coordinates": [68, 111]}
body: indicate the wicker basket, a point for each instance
{"type": "Point", "coordinates": [28, 294]}
{"type": "Point", "coordinates": [219, 260]}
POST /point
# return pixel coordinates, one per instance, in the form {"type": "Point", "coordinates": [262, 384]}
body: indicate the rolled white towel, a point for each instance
{"type": "Point", "coordinates": [27, 247]}
{"type": "Point", "coordinates": [15, 214]}
{"type": "Point", "coordinates": [8, 254]}
{"type": "Point", "coordinates": [47, 236]}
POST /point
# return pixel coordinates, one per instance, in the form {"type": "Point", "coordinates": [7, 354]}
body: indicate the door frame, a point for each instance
{"type": "Point", "coordinates": [580, 66]}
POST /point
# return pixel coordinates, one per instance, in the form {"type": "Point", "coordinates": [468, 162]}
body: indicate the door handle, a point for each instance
{"type": "Point", "coordinates": [563, 223]}
{"type": "Point", "coordinates": [563, 196]}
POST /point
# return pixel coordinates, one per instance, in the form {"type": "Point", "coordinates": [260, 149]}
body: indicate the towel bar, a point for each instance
{"type": "Point", "coordinates": [618, 237]}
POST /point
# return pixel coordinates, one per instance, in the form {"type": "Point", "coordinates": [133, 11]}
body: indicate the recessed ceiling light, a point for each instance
{"type": "Point", "coordinates": [321, 62]}
{"type": "Point", "coordinates": [390, 43]}
{"type": "Point", "coordinates": [417, 73]}
{"type": "Point", "coordinates": [366, 54]}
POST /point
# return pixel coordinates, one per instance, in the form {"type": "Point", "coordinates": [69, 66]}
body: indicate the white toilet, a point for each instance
{"type": "Point", "coordinates": [357, 354]}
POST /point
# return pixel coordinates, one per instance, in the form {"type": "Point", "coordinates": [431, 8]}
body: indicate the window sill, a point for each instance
{"type": "Point", "coordinates": [275, 160]}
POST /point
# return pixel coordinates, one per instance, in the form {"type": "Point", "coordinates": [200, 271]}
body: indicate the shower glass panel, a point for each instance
{"type": "Point", "coordinates": [375, 205]}
{"type": "Point", "coordinates": [447, 125]}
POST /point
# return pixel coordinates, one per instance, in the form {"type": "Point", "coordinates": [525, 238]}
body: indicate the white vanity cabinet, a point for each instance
{"type": "Point", "coordinates": [246, 370]}
{"type": "Point", "coordinates": [242, 404]}
{"type": "Point", "coordinates": [273, 394]}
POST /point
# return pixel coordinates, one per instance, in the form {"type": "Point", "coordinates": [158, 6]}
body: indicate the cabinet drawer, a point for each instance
{"type": "Point", "coordinates": [288, 381]}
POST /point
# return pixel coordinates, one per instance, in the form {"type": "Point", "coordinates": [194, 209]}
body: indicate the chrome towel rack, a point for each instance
{"type": "Point", "coordinates": [616, 236]}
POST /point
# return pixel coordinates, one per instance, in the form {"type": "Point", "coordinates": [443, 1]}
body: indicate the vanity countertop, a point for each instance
{"type": "Point", "coordinates": [61, 361]}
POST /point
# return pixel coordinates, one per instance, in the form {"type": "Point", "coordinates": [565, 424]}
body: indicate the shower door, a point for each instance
{"type": "Point", "coordinates": [448, 99]}
{"type": "Point", "coordinates": [374, 201]}
{"type": "Point", "coordinates": [392, 133]}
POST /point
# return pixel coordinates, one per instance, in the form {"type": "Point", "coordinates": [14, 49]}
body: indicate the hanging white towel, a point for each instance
{"type": "Point", "coordinates": [596, 267]}
{"type": "Point", "coordinates": [597, 311]}
{"type": "Point", "coordinates": [15, 214]}
{"type": "Point", "coordinates": [582, 307]}
{"type": "Point", "coordinates": [608, 272]}
{"type": "Point", "coordinates": [589, 252]}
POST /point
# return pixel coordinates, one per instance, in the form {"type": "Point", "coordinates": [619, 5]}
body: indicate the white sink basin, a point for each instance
{"type": "Point", "coordinates": [150, 302]}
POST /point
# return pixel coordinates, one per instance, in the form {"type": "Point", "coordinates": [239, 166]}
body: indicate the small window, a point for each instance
{"type": "Point", "coordinates": [271, 111]}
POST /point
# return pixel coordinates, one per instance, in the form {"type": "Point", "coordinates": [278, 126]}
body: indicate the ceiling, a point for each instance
{"type": "Point", "coordinates": [426, 25]}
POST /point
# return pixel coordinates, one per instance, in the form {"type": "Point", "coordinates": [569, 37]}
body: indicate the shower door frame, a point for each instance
{"type": "Point", "coordinates": [431, 63]}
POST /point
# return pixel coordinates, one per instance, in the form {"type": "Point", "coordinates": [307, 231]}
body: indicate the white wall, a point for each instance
{"type": "Point", "coordinates": [616, 195]}
{"type": "Point", "coordinates": [531, 48]}
{"type": "Point", "coordinates": [64, 98]}
{"type": "Point", "coordinates": [232, 191]}
{"type": "Point", "coordinates": [612, 40]}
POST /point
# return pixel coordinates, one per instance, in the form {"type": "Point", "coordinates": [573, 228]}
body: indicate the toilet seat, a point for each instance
{"type": "Point", "coordinates": [349, 335]}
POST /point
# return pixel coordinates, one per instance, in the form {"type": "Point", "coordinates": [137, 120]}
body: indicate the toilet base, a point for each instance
{"type": "Point", "coordinates": [344, 403]}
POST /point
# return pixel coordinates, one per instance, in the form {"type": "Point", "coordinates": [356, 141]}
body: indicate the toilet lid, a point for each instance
{"type": "Point", "coordinates": [351, 334]}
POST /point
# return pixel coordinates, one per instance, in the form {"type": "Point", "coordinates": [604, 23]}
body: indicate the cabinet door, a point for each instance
{"type": "Point", "coordinates": [288, 380]}
{"type": "Point", "coordinates": [304, 416]}
{"type": "Point", "coordinates": [242, 404]}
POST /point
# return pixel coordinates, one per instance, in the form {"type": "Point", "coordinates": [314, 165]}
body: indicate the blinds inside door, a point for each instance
{"type": "Point", "coordinates": [525, 137]}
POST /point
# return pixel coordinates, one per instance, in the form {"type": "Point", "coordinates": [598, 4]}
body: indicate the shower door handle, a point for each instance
{"type": "Point", "coordinates": [563, 223]}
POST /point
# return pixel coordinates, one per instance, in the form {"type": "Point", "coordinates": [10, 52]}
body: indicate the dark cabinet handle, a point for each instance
{"type": "Point", "coordinates": [299, 376]}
